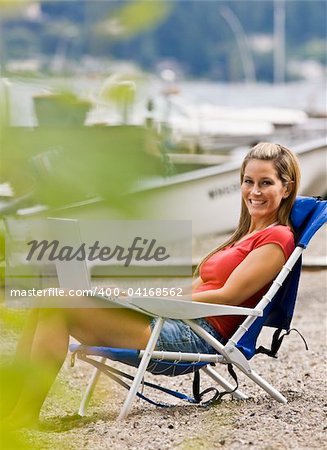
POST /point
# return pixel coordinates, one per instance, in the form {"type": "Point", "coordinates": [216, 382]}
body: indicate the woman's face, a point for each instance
{"type": "Point", "coordinates": [262, 190]}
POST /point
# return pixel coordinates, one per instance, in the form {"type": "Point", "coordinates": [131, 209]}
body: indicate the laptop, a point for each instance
{"type": "Point", "coordinates": [74, 274]}
{"type": "Point", "coordinates": [71, 274]}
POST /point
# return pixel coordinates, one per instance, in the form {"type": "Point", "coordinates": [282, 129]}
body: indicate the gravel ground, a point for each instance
{"type": "Point", "coordinates": [257, 423]}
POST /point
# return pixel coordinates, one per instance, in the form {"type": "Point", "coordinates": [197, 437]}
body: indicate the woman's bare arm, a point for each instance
{"type": "Point", "coordinates": [196, 283]}
{"type": "Point", "coordinates": [258, 269]}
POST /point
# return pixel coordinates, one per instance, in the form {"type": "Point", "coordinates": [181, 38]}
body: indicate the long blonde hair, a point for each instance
{"type": "Point", "coordinates": [288, 170]}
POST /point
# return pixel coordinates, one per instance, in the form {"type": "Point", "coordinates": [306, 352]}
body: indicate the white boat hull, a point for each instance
{"type": "Point", "coordinates": [210, 197]}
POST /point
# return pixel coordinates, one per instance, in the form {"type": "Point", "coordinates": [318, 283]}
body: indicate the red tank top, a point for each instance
{"type": "Point", "coordinates": [215, 271]}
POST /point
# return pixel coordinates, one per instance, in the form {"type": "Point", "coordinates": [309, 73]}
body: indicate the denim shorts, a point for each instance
{"type": "Point", "coordinates": [177, 336]}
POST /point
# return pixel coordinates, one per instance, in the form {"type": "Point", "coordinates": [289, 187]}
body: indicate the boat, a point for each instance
{"type": "Point", "coordinates": [210, 197]}
{"type": "Point", "coordinates": [212, 128]}
{"type": "Point", "coordinates": [186, 162]}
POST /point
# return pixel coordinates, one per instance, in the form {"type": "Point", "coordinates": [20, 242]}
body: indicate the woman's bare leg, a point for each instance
{"type": "Point", "coordinates": [113, 327]}
{"type": "Point", "coordinates": [46, 355]}
{"type": "Point", "coordinates": [20, 363]}
{"type": "Point", "coordinates": [25, 341]}
{"type": "Point", "coordinates": [48, 347]}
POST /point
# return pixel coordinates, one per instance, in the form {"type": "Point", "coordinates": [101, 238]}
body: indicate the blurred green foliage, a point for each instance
{"type": "Point", "coordinates": [134, 17]}
{"type": "Point", "coordinates": [11, 376]}
{"type": "Point", "coordinates": [60, 109]}
{"type": "Point", "coordinates": [120, 89]}
{"type": "Point", "coordinates": [12, 7]}
{"type": "Point", "coordinates": [61, 162]}
{"type": "Point", "coordinates": [61, 165]}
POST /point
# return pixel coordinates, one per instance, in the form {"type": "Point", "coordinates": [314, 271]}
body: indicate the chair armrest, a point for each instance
{"type": "Point", "coordinates": [184, 309]}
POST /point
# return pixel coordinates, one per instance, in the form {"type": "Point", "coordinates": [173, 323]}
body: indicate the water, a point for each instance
{"type": "Point", "coordinates": [310, 97]}
{"type": "Point", "coordinates": [307, 96]}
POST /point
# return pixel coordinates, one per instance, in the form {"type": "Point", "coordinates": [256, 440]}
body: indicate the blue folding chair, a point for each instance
{"type": "Point", "coordinates": [274, 310]}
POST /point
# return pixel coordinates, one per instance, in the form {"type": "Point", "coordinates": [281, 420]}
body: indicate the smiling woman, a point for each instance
{"type": "Point", "coordinates": [287, 170]}
{"type": "Point", "coordinates": [262, 192]}
{"type": "Point", "coordinates": [270, 176]}
{"type": "Point", "coordinates": [231, 274]}
{"type": "Point", "coordinates": [283, 167]}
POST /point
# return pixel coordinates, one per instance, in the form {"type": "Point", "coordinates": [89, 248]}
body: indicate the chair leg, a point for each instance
{"type": "Point", "coordinates": [265, 386]}
{"type": "Point", "coordinates": [224, 383]}
{"type": "Point", "coordinates": [250, 373]}
{"type": "Point", "coordinates": [89, 390]}
{"type": "Point", "coordinates": [141, 369]}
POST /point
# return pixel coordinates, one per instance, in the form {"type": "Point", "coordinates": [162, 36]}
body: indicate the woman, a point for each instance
{"type": "Point", "coordinates": [231, 274]}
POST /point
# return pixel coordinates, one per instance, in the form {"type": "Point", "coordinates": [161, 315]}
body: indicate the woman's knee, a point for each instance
{"type": "Point", "coordinates": [52, 313]}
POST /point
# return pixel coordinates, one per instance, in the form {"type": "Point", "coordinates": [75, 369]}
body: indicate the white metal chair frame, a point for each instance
{"type": "Point", "coordinates": [226, 353]}
{"type": "Point", "coordinates": [164, 308]}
